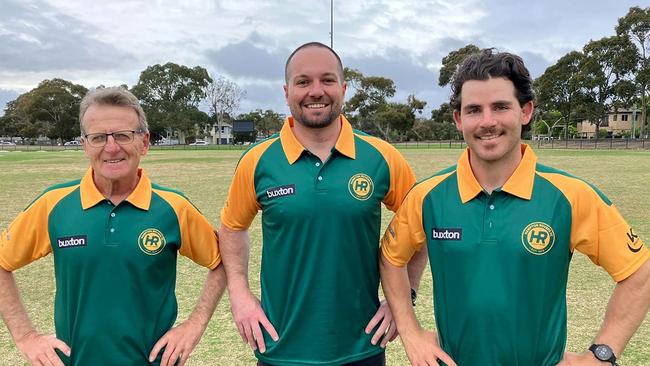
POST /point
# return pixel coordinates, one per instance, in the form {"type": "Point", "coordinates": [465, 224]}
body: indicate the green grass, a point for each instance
{"type": "Point", "coordinates": [204, 176]}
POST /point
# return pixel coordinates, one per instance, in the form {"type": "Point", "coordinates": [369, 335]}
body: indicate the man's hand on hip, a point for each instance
{"type": "Point", "coordinates": [387, 330]}
{"type": "Point", "coordinates": [39, 349]}
{"type": "Point", "coordinates": [248, 315]}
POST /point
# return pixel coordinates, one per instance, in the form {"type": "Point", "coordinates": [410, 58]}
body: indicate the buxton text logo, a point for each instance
{"type": "Point", "coordinates": [360, 186]}
{"type": "Point", "coordinates": [72, 241]}
{"type": "Point", "coordinates": [282, 191]}
{"type": "Point", "coordinates": [151, 241]}
{"type": "Point", "coordinates": [538, 238]}
{"type": "Point", "coordinates": [446, 234]}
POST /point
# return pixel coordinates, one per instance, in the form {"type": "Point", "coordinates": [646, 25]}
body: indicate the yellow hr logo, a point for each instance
{"type": "Point", "coordinates": [151, 241]}
{"type": "Point", "coordinates": [360, 186]}
{"type": "Point", "coordinates": [538, 238]}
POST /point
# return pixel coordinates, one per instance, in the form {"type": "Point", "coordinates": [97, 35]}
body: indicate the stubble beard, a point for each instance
{"type": "Point", "coordinates": [318, 122]}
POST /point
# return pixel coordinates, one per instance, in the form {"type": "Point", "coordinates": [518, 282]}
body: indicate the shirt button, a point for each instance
{"type": "Point", "coordinates": [320, 178]}
{"type": "Point", "coordinates": [112, 230]}
{"type": "Point", "coordinates": [112, 214]}
{"type": "Point", "coordinates": [491, 207]}
{"type": "Point", "coordinates": [317, 164]}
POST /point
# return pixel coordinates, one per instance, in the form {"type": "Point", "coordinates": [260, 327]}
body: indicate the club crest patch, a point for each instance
{"type": "Point", "coordinates": [151, 241]}
{"type": "Point", "coordinates": [538, 238]}
{"type": "Point", "coordinates": [361, 186]}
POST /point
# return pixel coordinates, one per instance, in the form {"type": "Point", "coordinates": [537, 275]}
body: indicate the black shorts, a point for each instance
{"type": "Point", "coordinates": [376, 360]}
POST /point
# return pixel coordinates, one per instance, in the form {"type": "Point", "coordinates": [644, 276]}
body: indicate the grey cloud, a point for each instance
{"type": "Point", "coordinates": [36, 37]}
{"type": "Point", "coordinates": [6, 96]}
{"type": "Point", "coordinates": [249, 59]}
{"type": "Point", "coordinates": [264, 97]}
{"type": "Point", "coordinates": [407, 73]}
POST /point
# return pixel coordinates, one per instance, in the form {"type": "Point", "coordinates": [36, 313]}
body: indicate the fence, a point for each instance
{"type": "Point", "coordinates": [578, 144]}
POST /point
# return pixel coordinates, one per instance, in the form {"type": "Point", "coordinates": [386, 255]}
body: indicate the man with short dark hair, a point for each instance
{"type": "Point", "coordinates": [500, 230]}
{"type": "Point", "coordinates": [319, 185]}
{"type": "Point", "coordinates": [115, 237]}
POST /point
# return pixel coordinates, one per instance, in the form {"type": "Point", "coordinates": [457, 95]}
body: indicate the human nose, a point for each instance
{"type": "Point", "coordinates": [488, 118]}
{"type": "Point", "coordinates": [316, 89]}
{"type": "Point", "coordinates": [111, 144]}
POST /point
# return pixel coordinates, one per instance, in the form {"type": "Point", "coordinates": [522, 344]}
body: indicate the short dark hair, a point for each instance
{"type": "Point", "coordinates": [307, 45]}
{"type": "Point", "coordinates": [486, 64]}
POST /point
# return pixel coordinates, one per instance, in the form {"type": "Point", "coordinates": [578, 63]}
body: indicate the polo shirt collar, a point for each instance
{"type": "Point", "coordinates": [519, 184]}
{"type": "Point", "coordinates": [293, 149]}
{"type": "Point", "coordinates": [91, 196]}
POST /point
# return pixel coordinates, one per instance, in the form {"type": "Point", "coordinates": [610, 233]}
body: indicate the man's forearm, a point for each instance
{"type": "Point", "coordinates": [626, 310]}
{"type": "Point", "coordinates": [213, 288]}
{"type": "Point", "coordinates": [416, 267]}
{"type": "Point", "coordinates": [234, 247]}
{"type": "Point", "coordinates": [12, 309]}
{"type": "Point", "coordinates": [395, 283]}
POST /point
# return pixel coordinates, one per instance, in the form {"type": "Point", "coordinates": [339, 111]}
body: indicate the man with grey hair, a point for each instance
{"type": "Point", "coordinates": [115, 238]}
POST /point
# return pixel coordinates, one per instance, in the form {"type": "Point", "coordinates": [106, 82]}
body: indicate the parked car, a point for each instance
{"type": "Point", "coordinates": [72, 143]}
{"type": "Point", "coordinates": [199, 143]}
{"type": "Point", "coordinates": [7, 143]}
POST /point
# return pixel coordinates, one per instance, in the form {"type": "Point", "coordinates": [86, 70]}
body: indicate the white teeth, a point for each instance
{"type": "Point", "coordinates": [488, 137]}
{"type": "Point", "coordinates": [114, 161]}
{"type": "Point", "coordinates": [316, 105]}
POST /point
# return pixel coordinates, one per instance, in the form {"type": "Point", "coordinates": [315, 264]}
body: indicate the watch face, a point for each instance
{"type": "Point", "coordinates": [603, 352]}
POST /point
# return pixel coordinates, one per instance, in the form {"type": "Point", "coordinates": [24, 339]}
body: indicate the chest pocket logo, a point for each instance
{"type": "Point", "coordinates": [151, 241]}
{"type": "Point", "coordinates": [538, 238]}
{"type": "Point", "coordinates": [361, 186]}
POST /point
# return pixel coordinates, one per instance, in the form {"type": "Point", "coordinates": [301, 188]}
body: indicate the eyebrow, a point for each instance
{"type": "Point", "coordinates": [327, 74]}
{"type": "Point", "coordinates": [493, 104]}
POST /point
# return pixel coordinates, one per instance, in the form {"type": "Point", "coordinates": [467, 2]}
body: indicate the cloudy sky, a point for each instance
{"type": "Point", "coordinates": [247, 41]}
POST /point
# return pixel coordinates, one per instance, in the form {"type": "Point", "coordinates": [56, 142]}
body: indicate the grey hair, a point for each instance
{"type": "Point", "coordinates": [112, 96]}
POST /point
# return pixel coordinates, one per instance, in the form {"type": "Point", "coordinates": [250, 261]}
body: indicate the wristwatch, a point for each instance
{"type": "Point", "coordinates": [414, 296]}
{"type": "Point", "coordinates": [603, 353]}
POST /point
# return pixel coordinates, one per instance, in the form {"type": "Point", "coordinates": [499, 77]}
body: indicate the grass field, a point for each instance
{"type": "Point", "coordinates": [204, 176]}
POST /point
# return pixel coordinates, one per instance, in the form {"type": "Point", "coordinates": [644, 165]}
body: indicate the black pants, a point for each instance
{"type": "Point", "coordinates": [376, 360]}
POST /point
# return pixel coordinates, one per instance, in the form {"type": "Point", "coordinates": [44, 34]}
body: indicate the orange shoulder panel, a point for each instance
{"type": "Point", "coordinates": [405, 234]}
{"type": "Point", "coordinates": [401, 174]}
{"type": "Point", "coordinates": [241, 206]}
{"type": "Point", "coordinates": [27, 238]}
{"type": "Point", "coordinates": [198, 237]}
{"type": "Point", "coordinates": [598, 230]}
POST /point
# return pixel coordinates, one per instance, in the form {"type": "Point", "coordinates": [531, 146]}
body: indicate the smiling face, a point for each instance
{"type": "Point", "coordinates": [491, 119]}
{"type": "Point", "coordinates": [112, 162]}
{"type": "Point", "coordinates": [315, 88]}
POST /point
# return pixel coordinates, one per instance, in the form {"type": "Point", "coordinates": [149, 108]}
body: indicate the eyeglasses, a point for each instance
{"type": "Point", "coordinates": [121, 137]}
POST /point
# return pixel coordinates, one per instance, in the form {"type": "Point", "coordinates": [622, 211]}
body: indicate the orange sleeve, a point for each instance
{"type": "Point", "coordinates": [241, 206]}
{"type": "Point", "coordinates": [199, 239]}
{"type": "Point", "coordinates": [401, 174]}
{"type": "Point", "coordinates": [27, 238]}
{"type": "Point", "coordinates": [599, 231]}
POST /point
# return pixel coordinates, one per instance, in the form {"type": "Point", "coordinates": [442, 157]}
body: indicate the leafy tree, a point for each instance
{"type": "Point", "coordinates": [451, 61]}
{"type": "Point", "coordinates": [370, 97]}
{"type": "Point", "coordinates": [636, 26]}
{"type": "Point", "coordinates": [51, 109]}
{"type": "Point", "coordinates": [394, 119]}
{"type": "Point", "coordinates": [170, 95]}
{"type": "Point", "coordinates": [223, 97]}
{"type": "Point", "coordinates": [266, 122]}
{"type": "Point", "coordinates": [559, 89]}
{"type": "Point", "coordinates": [604, 76]}
{"type": "Point", "coordinates": [443, 114]}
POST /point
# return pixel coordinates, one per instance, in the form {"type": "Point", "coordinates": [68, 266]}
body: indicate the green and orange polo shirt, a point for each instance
{"type": "Point", "coordinates": [115, 266]}
{"type": "Point", "coordinates": [500, 261]}
{"type": "Point", "coordinates": [321, 228]}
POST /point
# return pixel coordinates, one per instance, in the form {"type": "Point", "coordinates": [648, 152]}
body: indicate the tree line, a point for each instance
{"type": "Point", "coordinates": [606, 75]}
